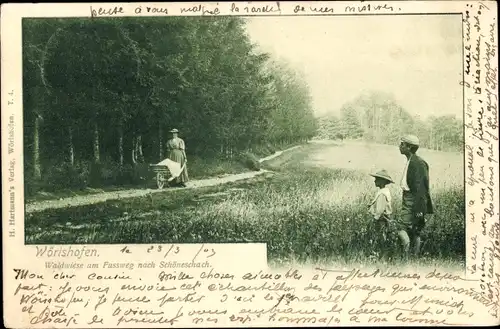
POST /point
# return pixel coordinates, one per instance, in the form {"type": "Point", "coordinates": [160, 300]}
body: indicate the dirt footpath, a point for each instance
{"type": "Point", "coordinates": [81, 200]}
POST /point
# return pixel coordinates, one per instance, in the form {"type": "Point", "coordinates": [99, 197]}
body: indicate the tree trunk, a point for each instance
{"type": "Point", "coordinates": [134, 154]}
{"type": "Point", "coordinates": [120, 145]}
{"type": "Point", "coordinates": [71, 149]}
{"type": "Point", "coordinates": [140, 156]}
{"type": "Point", "coordinates": [160, 141]}
{"type": "Point", "coordinates": [96, 144]}
{"type": "Point", "coordinates": [37, 173]}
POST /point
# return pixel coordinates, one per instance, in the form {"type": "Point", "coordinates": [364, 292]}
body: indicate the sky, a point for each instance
{"type": "Point", "coordinates": [418, 59]}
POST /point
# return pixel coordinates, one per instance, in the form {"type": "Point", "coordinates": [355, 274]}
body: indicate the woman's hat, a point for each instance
{"type": "Point", "coordinates": [174, 131]}
{"type": "Point", "coordinates": [383, 174]}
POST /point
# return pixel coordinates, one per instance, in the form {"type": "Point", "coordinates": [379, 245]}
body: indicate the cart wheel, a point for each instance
{"type": "Point", "coordinates": [160, 181]}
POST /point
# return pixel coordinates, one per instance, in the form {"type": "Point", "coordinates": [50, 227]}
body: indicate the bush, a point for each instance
{"type": "Point", "coordinates": [250, 161]}
{"type": "Point", "coordinates": [84, 174]}
{"type": "Point", "coordinates": [31, 186]}
{"type": "Point", "coordinates": [126, 175]}
{"type": "Point", "coordinates": [271, 149]}
{"type": "Point", "coordinates": [66, 176]}
{"type": "Point", "coordinates": [95, 175]}
{"type": "Point", "coordinates": [112, 174]}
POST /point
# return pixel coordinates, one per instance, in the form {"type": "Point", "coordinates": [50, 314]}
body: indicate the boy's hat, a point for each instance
{"type": "Point", "coordinates": [383, 174]}
{"type": "Point", "coordinates": [174, 131]}
{"type": "Point", "coordinates": [411, 139]}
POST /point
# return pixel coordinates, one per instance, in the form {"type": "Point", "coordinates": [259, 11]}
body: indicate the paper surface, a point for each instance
{"type": "Point", "coordinates": [162, 282]}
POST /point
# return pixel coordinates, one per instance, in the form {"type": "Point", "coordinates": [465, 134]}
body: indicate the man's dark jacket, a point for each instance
{"type": "Point", "coordinates": [418, 182]}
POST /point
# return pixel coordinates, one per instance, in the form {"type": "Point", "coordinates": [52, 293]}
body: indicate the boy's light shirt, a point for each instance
{"type": "Point", "coordinates": [381, 204]}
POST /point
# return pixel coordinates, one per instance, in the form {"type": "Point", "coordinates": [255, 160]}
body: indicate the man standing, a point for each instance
{"type": "Point", "coordinates": [416, 198]}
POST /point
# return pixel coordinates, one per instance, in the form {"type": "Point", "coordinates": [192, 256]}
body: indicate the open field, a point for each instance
{"type": "Point", "coordinates": [311, 208]}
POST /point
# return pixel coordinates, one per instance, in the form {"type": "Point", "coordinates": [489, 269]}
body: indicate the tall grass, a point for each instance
{"type": "Point", "coordinates": [301, 214]}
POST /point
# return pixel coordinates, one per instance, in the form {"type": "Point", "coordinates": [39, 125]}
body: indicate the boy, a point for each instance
{"type": "Point", "coordinates": [381, 208]}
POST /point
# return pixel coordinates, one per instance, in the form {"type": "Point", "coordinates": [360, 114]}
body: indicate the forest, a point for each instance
{"type": "Point", "coordinates": [100, 96]}
{"type": "Point", "coordinates": [376, 116]}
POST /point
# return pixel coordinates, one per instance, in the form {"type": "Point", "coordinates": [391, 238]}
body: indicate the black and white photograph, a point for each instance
{"type": "Point", "coordinates": [332, 139]}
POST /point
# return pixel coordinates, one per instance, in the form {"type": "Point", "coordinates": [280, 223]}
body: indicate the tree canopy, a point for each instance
{"type": "Point", "coordinates": [112, 88]}
{"type": "Point", "coordinates": [376, 116]}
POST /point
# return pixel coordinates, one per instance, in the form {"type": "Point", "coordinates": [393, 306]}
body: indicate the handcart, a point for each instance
{"type": "Point", "coordinates": [166, 171]}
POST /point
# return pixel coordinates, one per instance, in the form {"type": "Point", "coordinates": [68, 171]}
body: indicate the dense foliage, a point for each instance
{"type": "Point", "coordinates": [100, 95]}
{"type": "Point", "coordinates": [376, 116]}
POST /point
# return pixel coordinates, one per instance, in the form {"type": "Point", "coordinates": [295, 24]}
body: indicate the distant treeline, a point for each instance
{"type": "Point", "coordinates": [106, 90]}
{"type": "Point", "coordinates": [377, 117]}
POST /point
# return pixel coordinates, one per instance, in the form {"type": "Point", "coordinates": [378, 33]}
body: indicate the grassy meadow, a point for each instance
{"type": "Point", "coordinates": [312, 207]}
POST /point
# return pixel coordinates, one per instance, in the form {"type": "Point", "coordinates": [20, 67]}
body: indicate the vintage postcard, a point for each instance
{"type": "Point", "coordinates": [250, 164]}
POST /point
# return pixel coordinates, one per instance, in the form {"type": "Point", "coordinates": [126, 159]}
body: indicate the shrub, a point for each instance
{"type": "Point", "coordinates": [66, 176]}
{"type": "Point", "coordinates": [31, 186]}
{"type": "Point", "coordinates": [95, 177]}
{"type": "Point", "coordinates": [250, 161]}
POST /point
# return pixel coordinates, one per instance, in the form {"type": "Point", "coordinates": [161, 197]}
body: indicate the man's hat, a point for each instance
{"type": "Point", "coordinates": [383, 174]}
{"type": "Point", "coordinates": [174, 131]}
{"type": "Point", "coordinates": [411, 139]}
